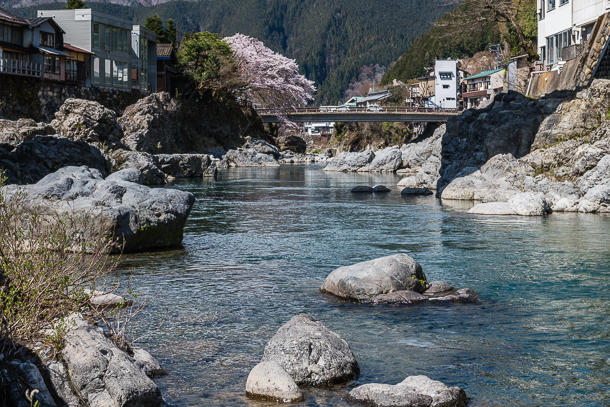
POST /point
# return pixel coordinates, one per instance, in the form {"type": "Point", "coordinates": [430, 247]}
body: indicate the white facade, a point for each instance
{"type": "Point", "coordinates": [565, 22]}
{"type": "Point", "coordinates": [445, 84]}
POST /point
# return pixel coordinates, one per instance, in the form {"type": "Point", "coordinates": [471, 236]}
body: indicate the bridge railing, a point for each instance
{"type": "Point", "coordinates": [346, 109]}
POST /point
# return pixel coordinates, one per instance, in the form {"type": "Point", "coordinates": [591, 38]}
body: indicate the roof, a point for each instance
{"type": "Point", "coordinates": [376, 93]}
{"type": "Point", "coordinates": [6, 15]}
{"type": "Point", "coordinates": [484, 74]}
{"type": "Point", "coordinates": [376, 96]}
{"type": "Point", "coordinates": [164, 50]}
{"type": "Point", "coordinates": [53, 51]}
{"type": "Point", "coordinates": [73, 48]}
{"type": "Point", "coordinates": [38, 21]}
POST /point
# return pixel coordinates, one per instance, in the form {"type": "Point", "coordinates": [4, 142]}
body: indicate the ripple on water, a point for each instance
{"type": "Point", "coordinates": [259, 243]}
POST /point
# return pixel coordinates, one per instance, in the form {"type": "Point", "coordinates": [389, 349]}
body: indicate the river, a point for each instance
{"type": "Point", "coordinates": [259, 243]}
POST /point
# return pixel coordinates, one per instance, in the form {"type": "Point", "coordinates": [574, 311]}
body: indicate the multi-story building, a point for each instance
{"type": "Point", "coordinates": [113, 41]}
{"type": "Point", "coordinates": [562, 23]}
{"type": "Point", "coordinates": [446, 83]}
{"type": "Point", "coordinates": [482, 87]}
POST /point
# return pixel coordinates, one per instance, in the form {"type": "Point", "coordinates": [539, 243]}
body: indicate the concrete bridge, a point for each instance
{"type": "Point", "coordinates": [359, 114]}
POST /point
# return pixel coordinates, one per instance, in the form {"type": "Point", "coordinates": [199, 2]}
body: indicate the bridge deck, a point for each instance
{"type": "Point", "coordinates": [359, 114]}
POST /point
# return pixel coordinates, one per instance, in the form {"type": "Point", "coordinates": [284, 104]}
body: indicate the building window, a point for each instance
{"type": "Point", "coordinates": [51, 64]}
{"type": "Point", "coordinates": [47, 39]}
{"type": "Point", "coordinates": [445, 75]}
{"type": "Point", "coordinates": [96, 70]}
{"type": "Point", "coordinates": [551, 5]}
{"type": "Point", "coordinates": [115, 38]}
{"type": "Point", "coordinates": [96, 35]}
{"type": "Point", "coordinates": [542, 10]}
{"type": "Point", "coordinates": [556, 43]}
{"type": "Point", "coordinates": [108, 37]}
{"type": "Point", "coordinates": [562, 2]}
{"type": "Point", "coordinates": [108, 72]}
{"type": "Point", "coordinates": [10, 34]}
{"type": "Point", "coordinates": [445, 86]}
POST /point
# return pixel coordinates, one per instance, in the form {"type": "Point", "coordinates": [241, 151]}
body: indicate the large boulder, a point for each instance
{"type": "Point", "coordinates": [367, 280]}
{"type": "Point", "coordinates": [311, 354]}
{"type": "Point", "coordinates": [599, 175]}
{"type": "Point", "coordinates": [18, 131]}
{"type": "Point", "coordinates": [143, 162]}
{"type": "Point", "coordinates": [292, 143]}
{"type": "Point", "coordinates": [261, 146]}
{"type": "Point", "coordinates": [89, 121]}
{"type": "Point", "coordinates": [421, 159]}
{"type": "Point", "coordinates": [101, 373]}
{"type": "Point", "coordinates": [350, 162]}
{"type": "Point", "coordinates": [152, 124]}
{"type": "Point", "coordinates": [524, 204]}
{"type": "Point", "coordinates": [182, 165]}
{"type": "Point", "coordinates": [250, 158]}
{"type": "Point", "coordinates": [386, 160]}
{"type": "Point", "coordinates": [32, 160]}
{"type": "Point", "coordinates": [269, 381]}
{"type": "Point", "coordinates": [414, 391]}
{"type": "Point", "coordinates": [508, 126]}
{"type": "Point", "coordinates": [140, 217]}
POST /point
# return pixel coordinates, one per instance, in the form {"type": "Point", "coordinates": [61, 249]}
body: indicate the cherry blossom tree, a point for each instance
{"type": "Point", "coordinates": [270, 79]}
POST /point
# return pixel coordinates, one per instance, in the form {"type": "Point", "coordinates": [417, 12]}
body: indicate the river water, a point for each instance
{"type": "Point", "coordinates": [259, 243]}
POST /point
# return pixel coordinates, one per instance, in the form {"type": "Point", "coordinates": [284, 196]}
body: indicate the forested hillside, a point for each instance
{"type": "Point", "coordinates": [330, 39]}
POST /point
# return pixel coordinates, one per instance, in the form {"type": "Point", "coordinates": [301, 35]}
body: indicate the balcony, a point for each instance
{"type": "Point", "coordinates": [21, 68]}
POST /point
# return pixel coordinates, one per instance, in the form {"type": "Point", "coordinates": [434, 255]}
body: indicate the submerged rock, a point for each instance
{"type": "Point", "coordinates": [414, 391]}
{"type": "Point", "coordinates": [311, 354]}
{"type": "Point", "coordinates": [381, 188]}
{"type": "Point", "coordinates": [362, 188]}
{"type": "Point", "coordinates": [141, 217]}
{"type": "Point", "coordinates": [437, 287]}
{"type": "Point", "coordinates": [269, 381]}
{"type": "Point", "coordinates": [365, 281]}
{"type": "Point", "coordinates": [416, 191]}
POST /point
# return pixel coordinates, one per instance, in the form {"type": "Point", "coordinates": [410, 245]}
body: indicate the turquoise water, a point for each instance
{"type": "Point", "coordinates": [259, 243]}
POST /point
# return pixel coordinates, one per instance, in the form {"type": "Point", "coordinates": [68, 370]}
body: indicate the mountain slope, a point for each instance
{"type": "Point", "coordinates": [330, 39]}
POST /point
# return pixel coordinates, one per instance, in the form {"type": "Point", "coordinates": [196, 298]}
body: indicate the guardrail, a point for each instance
{"type": "Point", "coordinates": [345, 109]}
{"type": "Point", "coordinates": [22, 68]}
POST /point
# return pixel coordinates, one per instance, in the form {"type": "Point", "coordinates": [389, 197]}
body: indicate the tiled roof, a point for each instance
{"type": "Point", "coordinates": [73, 48]}
{"type": "Point", "coordinates": [164, 50]}
{"type": "Point", "coordinates": [6, 15]}
{"type": "Point", "coordinates": [35, 22]}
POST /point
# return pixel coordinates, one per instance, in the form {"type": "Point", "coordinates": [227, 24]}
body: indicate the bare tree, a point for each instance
{"type": "Point", "coordinates": [474, 13]}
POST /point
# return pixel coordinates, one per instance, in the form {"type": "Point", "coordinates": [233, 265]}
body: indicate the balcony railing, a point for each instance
{"type": "Point", "coordinates": [23, 68]}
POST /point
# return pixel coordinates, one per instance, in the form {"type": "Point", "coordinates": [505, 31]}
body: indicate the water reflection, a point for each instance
{"type": "Point", "coordinates": [260, 242]}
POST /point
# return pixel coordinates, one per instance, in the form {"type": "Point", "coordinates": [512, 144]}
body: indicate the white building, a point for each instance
{"type": "Point", "coordinates": [446, 84]}
{"type": "Point", "coordinates": [562, 23]}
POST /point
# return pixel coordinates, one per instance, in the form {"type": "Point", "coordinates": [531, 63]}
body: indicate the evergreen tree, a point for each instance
{"type": "Point", "coordinates": [155, 24]}
{"type": "Point", "coordinates": [170, 31]}
{"type": "Point", "coordinates": [74, 4]}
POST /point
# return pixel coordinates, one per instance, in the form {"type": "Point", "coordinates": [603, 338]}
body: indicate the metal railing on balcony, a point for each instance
{"type": "Point", "coordinates": [22, 68]}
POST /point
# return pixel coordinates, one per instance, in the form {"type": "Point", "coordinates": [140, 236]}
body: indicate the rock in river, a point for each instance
{"type": "Point", "coordinates": [269, 381]}
{"type": "Point", "coordinates": [365, 281]}
{"type": "Point", "coordinates": [101, 373]}
{"type": "Point", "coordinates": [414, 391]}
{"type": "Point", "coordinates": [142, 217]}
{"type": "Point", "coordinates": [311, 354]}
{"type": "Point", "coordinates": [362, 189]}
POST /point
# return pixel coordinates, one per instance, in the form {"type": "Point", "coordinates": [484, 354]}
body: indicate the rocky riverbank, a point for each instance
{"type": "Point", "coordinates": [556, 149]}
